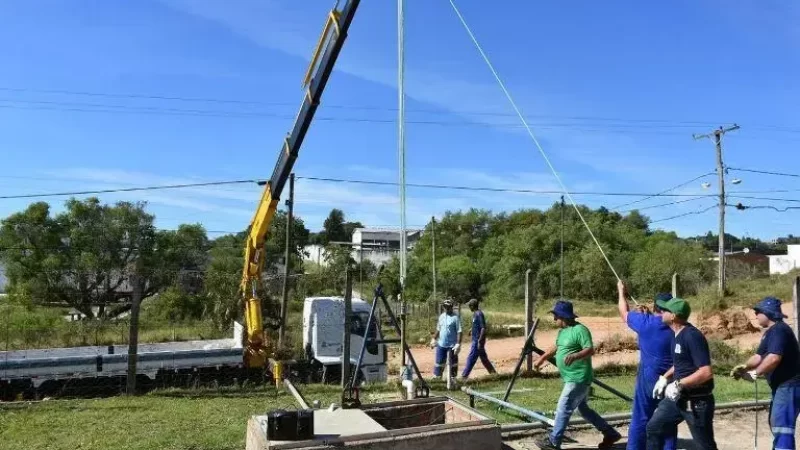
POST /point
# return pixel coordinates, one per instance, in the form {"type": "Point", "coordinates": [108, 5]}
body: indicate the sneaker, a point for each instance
{"type": "Point", "coordinates": [544, 443]}
{"type": "Point", "coordinates": [609, 441]}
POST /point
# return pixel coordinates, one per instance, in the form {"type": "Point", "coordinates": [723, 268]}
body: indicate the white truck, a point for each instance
{"type": "Point", "coordinates": [99, 370]}
{"type": "Point", "coordinates": [323, 318]}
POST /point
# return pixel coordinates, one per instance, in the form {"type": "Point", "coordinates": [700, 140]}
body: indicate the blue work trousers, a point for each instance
{"type": "Point", "coordinates": [441, 361]}
{"type": "Point", "coordinates": [698, 414]}
{"type": "Point", "coordinates": [477, 350]}
{"type": "Point", "coordinates": [644, 405]}
{"type": "Point", "coordinates": [574, 396]}
{"type": "Point", "coordinates": [784, 409]}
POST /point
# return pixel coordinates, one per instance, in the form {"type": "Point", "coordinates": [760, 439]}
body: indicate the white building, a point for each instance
{"type": "Point", "coordinates": [380, 245]}
{"type": "Point", "coordinates": [377, 245]}
{"type": "Point", "coordinates": [781, 264]}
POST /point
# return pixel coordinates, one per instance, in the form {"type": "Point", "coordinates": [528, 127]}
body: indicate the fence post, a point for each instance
{"type": "Point", "coordinates": [528, 317]}
{"type": "Point", "coordinates": [796, 307]}
{"type": "Point", "coordinates": [348, 311]}
{"type": "Point", "coordinates": [675, 284]}
{"type": "Point", "coordinates": [133, 340]}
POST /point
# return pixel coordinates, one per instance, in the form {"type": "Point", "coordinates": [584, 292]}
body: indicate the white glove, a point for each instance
{"type": "Point", "coordinates": [673, 391]}
{"type": "Point", "coordinates": [456, 349]}
{"type": "Point", "coordinates": [661, 385]}
{"type": "Point", "coordinates": [433, 343]}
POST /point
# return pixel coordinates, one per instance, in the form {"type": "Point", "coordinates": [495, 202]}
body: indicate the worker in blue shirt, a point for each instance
{"type": "Point", "coordinates": [690, 395]}
{"type": "Point", "coordinates": [777, 358]}
{"type": "Point", "coordinates": [478, 334]}
{"type": "Point", "coordinates": [655, 357]}
{"type": "Point", "coordinates": [447, 339]}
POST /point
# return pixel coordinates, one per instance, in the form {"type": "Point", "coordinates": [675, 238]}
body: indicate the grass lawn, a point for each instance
{"type": "Point", "coordinates": [192, 420]}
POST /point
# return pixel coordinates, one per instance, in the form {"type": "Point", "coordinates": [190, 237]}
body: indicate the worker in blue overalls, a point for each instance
{"type": "Point", "coordinates": [655, 357]}
{"type": "Point", "coordinates": [478, 334]}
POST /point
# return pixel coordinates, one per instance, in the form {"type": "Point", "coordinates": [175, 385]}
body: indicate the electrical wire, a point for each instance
{"type": "Point", "coordinates": [765, 172]}
{"type": "Point", "coordinates": [132, 96]}
{"type": "Point", "coordinates": [666, 190]}
{"type": "Point", "coordinates": [336, 180]}
{"type": "Point", "coordinates": [661, 205]}
{"type": "Point", "coordinates": [131, 189]}
{"type": "Point", "coordinates": [685, 214]}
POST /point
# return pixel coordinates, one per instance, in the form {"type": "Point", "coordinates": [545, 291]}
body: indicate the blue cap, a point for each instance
{"type": "Point", "coordinates": [563, 310]}
{"type": "Point", "coordinates": [663, 296]}
{"type": "Point", "coordinates": [770, 307]}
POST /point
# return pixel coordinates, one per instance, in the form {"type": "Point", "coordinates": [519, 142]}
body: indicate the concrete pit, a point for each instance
{"type": "Point", "coordinates": [438, 423]}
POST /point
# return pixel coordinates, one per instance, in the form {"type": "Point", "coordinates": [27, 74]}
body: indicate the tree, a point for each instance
{"type": "Point", "coordinates": [85, 256]}
{"type": "Point", "coordinates": [334, 229]}
{"type": "Point", "coordinates": [226, 263]}
{"type": "Point", "coordinates": [459, 278]}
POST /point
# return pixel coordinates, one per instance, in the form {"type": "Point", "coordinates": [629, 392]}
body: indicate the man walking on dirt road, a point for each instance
{"type": "Point", "coordinates": [478, 334]}
{"type": "Point", "coordinates": [655, 357]}
{"type": "Point", "coordinates": [690, 396]}
{"type": "Point", "coordinates": [573, 352]}
{"type": "Point", "coordinates": [447, 340]}
{"type": "Point", "coordinates": [777, 358]}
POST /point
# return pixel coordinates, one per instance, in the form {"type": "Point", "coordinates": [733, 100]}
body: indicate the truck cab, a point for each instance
{"type": "Point", "coordinates": [323, 338]}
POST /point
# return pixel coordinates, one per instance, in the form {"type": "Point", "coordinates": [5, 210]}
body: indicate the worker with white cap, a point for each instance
{"type": "Point", "coordinates": [447, 339]}
{"type": "Point", "coordinates": [777, 359]}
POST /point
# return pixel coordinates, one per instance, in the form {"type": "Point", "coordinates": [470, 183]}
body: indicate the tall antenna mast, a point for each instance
{"type": "Point", "coordinates": [401, 150]}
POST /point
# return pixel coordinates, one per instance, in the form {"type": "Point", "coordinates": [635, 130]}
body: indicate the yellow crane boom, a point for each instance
{"type": "Point", "coordinates": [322, 62]}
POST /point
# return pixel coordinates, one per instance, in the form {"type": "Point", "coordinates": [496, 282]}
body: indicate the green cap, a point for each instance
{"type": "Point", "coordinates": [677, 306]}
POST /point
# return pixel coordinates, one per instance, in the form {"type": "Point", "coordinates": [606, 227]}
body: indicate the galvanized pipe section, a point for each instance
{"type": "Point", "coordinates": [516, 427]}
{"type": "Point", "coordinates": [526, 412]}
{"type": "Point", "coordinates": [296, 394]}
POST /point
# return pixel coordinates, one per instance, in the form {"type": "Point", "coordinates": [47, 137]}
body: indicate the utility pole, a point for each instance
{"type": "Point", "coordinates": [528, 317]}
{"type": "Point", "coordinates": [348, 312]}
{"type": "Point", "coordinates": [133, 340]}
{"type": "Point", "coordinates": [433, 256]}
{"type": "Point", "coordinates": [717, 135]}
{"type": "Point", "coordinates": [286, 263]}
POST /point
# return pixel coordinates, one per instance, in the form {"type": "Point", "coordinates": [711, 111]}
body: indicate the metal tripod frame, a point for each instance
{"type": "Point", "coordinates": [350, 397]}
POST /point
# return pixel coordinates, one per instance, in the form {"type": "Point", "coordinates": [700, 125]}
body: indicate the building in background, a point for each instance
{"type": "Point", "coordinates": [380, 245]}
{"type": "Point", "coordinates": [376, 245]}
{"type": "Point", "coordinates": [782, 264]}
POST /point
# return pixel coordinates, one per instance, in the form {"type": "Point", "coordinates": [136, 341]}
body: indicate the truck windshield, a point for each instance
{"type": "Point", "coordinates": [358, 325]}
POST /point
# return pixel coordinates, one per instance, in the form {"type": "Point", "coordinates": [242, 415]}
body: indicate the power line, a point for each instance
{"type": "Point", "coordinates": [188, 99]}
{"type": "Point", "coordinates": [766, 172]}
{"type": "Point", "coordinates": [660, 205]}
{"type": "Point", "coordinates": [131, 189]}
{"type": "Point", "coordinates": [685, 214]}
{"type": "Point", "coordinates": [381, 183]}
{"type": "Point", "coordinates": [665, 191]}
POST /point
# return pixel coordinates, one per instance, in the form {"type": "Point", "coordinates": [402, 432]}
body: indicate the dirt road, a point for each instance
{"type": "Point", "coordinates": [504, 353]}
{"type": "Point", "coordinates": [733, 431]}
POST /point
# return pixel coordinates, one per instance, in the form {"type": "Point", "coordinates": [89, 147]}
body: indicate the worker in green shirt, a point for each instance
{"type": "Point", "coordinates": [573, 352]}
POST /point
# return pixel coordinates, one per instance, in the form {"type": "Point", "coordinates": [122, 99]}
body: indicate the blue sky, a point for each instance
{"type": "Point", "coordinates": [614, 91]}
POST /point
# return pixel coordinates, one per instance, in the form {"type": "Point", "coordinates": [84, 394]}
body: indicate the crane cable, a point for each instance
{"type": "Point", "coordinates": [533, 138]}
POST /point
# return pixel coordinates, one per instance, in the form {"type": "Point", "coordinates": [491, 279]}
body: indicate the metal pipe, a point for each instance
{"type": "Point", "coordinates": [296, 394]}
{"type": "Point", "coordinates": [526, 412]}
{"type": "Point", "coordinates": [516, 427]}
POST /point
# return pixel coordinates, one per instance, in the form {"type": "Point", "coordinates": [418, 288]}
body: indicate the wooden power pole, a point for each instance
{"type": "Point", "coordinates": [286, 263]}
{"type": "Point", "coordinates": [717, 135]}
{"type": "Point", "coordinates": [133, 339]}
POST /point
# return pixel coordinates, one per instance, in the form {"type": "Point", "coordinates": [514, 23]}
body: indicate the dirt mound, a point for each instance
{"type": "Point", "coordinates": [727, 324]}
{"type": "Point", "coordinates": [617, 343]}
